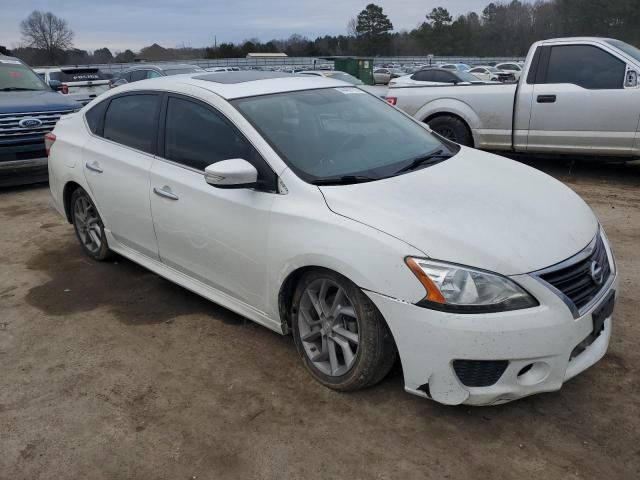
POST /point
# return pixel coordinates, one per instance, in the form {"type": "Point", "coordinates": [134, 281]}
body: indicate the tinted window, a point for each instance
{"type": "Point", "coordinates": [95, 117]}
{"type": "Point", "coordinates": [153, 74]}
{"type": "Point", "coordinates": [585, 66]}
{"type": "Point", "coordinates": [424, 76]}
{"type": "Point", "coordinates": [78, 75]}
{"type": "Point", "coordinates": [131, 120]}
{"type": "Point", "coordinates": [444, 77]}
{"type": "Point", "coordinates": [198, 136]}
{"type": "Point", "coordinates": [137, 75]}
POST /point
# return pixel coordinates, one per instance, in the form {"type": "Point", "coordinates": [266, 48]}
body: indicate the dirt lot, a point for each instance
{"type": "Point", "coordinates": [109, 371]}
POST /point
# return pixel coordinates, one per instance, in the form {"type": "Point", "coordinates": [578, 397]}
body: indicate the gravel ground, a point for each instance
{"type": "Point", "coordinates": [109, 371]}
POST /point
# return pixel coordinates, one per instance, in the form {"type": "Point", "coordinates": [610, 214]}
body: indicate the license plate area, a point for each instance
{"type": "Point", "coordinates": [598, 316]}
{"type": "Point", "coordinates": [602, 312]}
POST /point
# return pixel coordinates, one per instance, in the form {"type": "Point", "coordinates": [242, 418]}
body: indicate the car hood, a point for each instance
{"type": "Point", "coordinates": [474, 209]}
{"type": "Point", "coordinates": [35, 101]}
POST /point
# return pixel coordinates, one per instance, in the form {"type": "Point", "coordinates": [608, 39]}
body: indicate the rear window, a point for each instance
{"type": "Point", "coordinates": [131, 120]}
{"type": "Point", "coordinates": [79, 75]}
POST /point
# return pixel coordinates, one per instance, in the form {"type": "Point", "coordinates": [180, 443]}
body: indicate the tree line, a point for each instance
{"type": "Point", "coordinates": [501, 29]}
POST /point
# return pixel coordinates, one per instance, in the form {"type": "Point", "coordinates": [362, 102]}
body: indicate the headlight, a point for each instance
{"type": "Point", "coordinates": [466, 290]}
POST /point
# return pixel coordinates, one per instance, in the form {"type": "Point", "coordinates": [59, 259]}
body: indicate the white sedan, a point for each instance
{"type": "Point", "coordinates": [313, 207]}
{"type": "Point", "coordinates": [435, 76]}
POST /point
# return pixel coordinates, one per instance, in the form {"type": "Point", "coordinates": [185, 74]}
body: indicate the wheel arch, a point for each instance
{"type": "Point", "coordinates": [67, 193]}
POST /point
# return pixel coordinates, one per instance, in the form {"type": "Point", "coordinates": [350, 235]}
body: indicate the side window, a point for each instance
{"type": "Point", "coordinates": [152, 74]}
{"type": "Point", "coordinates": [95, 117]}
{"type": "Point", "coordinates": [423, 76]}
{"type": "Point", "coordinates": [198, 136]}
{"type": "Point", "coordinates": [444, 77]}
{"type": "Point", "coordinates": [586, 66]}
{"type": "Point", "coordinates": [137, 75]}
{"type": "Point", "coordinates": [131, 120]}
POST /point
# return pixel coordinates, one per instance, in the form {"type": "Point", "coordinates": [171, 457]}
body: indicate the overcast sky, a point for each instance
{"type": "Point", "coordinates": [120, 24]}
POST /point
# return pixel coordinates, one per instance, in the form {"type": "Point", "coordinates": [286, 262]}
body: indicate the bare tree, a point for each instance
{"type": "Point", "coordinates": [45, 31]}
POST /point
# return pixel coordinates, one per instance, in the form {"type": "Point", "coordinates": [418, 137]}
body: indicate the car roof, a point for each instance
{"type": "Point", "coordinates": [162, 66]}
{"type": "Point", "coordinates": [231, 85]}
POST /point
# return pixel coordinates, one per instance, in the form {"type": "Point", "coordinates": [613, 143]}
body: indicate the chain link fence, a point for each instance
{"type": "Point", "coordinates": [306, 62]}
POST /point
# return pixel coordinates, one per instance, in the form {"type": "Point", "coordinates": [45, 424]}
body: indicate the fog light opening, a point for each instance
{"type": "Point", "coordinates": [533, 373]}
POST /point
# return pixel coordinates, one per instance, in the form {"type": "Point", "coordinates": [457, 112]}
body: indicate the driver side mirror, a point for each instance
{"type": "Point", "coordinates": [233, 173]}
{"type": "Point", "coordinates": [55, 85]}
{"type": "Point", "coordinates": [631, 79]}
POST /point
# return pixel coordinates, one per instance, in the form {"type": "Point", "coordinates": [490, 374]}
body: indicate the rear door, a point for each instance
{"type": "Point", "coordinates": [580, 104]}
{"type": "Point", "coordinates": [117, 161]}
{"type": "Point", "coordinates": [217, 236]}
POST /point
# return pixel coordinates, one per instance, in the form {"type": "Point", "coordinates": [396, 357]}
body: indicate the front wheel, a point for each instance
{"type": "Point", "coordinates": [88, 226]}
{"type": "Point", "coordinates": [341, 336]}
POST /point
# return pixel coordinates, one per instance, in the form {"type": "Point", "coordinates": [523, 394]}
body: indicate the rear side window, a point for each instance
{"type": "Point", "coordinates": [95, 117]}
{"type": "Point", "coordinates": [197, 136]}
{"type": "Point", "coordinates": [444, 77]}
{"type": "Point", "coordinates": [424, 76]}
{"type": "Point", "coordinates": [131, 120]}
{"type": "Point", "coordinates": [586, 66]}
{"type": "Point", "coordinates": [137, 75]}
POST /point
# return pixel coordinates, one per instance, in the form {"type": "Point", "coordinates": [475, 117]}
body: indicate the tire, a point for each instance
{"type": "Point", "coordinates": [452, 128]}
{"type": "Point", "coordinates": [358, 323]}
{"type": "Point", "coordinates": [88, 226]}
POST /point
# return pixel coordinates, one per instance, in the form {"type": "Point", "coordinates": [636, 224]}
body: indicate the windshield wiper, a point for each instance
{"type": "Point", "coordinates": [344, 180]}
{"type": "Point", "coordinates": [430, 159]}
{"type": "Point", "coordinates": [18, 89]}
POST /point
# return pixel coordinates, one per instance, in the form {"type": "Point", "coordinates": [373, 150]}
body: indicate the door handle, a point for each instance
{"type": "Point", "coordinates": [546, 99]}
{"type": "Point", "coordinates": [94, 167]}
{"type": "Point", "coordinates": [165, 192]}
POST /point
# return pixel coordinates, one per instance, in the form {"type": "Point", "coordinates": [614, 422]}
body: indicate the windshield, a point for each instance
{"type": "Point", "coordinates": [15, 76]}
{"type": "Point", "coordinates": [467, 77]}
{"type": "Point", "coordinates": [345, 77]}
{"type": "Point", "coordinates": [626, 48]}
{"type": "Point", "coordinates": [339, 132]}
{"type": "Point", "coordinates": [178, 71]}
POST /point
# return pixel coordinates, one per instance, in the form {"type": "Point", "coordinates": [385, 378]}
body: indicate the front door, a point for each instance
{"type": "Point", "coordinates": [582, 106]}
{"type": "Point", "coordinates": [217, 236]}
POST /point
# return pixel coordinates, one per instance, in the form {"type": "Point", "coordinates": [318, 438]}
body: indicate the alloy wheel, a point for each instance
{"type": "Point", "coordinates": [328, 327]}
{"type": "Point", "coordinates": [87, 223]}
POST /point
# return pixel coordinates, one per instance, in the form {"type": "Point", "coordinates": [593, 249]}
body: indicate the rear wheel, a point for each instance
{"type": "Point", "coordinates": [88, 226]}
{"type": "Point", "coordinates": [452, 128]}
{"type": "Point", "coordinates": [342, 338]}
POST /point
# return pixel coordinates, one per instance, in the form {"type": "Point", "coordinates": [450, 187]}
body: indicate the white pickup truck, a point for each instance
{"type": "Point", "coordinates": [575, 96]}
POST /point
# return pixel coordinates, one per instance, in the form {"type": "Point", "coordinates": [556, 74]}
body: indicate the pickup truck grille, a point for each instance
{"type": "Point", "coordinates": [577, 280]}
{"type": "Point", "coordinates": [44, 122]}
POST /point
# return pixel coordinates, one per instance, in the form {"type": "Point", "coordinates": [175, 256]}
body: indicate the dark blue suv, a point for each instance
{"type": "Point", "coordinates": [28, 109]}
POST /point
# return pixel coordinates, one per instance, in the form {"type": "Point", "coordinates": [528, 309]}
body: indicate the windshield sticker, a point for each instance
{"type": "Point", "coordinates": [350, 90]}
{"type": "Point", "coordinates": [12, 62]}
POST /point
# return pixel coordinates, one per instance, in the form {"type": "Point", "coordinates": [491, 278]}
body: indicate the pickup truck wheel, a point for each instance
{"type": "Point", "coordinates": [452, 128]}
{"type": "Point", "coordinates": [341, 336]}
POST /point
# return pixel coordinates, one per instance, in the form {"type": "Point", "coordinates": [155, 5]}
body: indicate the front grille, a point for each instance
{"type": "Point", "coordinates": [10, 123]}
{"type": "Point", "coordinates": [479, 373]}
{"type": "Point", "coordinates": [576, 280]}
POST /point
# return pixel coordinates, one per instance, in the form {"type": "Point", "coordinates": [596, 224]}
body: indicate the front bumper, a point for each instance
{"type": "Point", "coordinates": [430, 341]}
{"type": "Point", "coordinates": [21, 172]}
